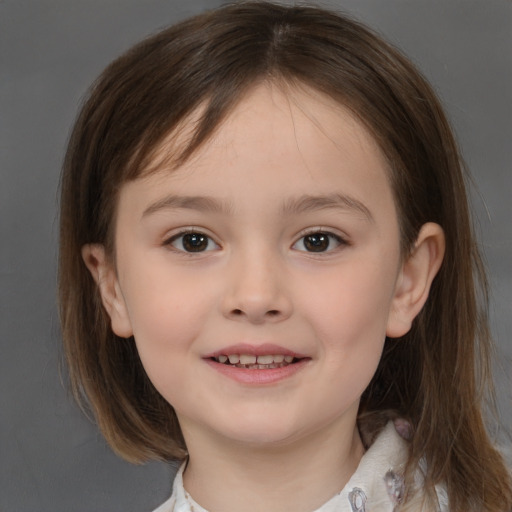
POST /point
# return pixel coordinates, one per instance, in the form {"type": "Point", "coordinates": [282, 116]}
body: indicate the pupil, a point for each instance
{"type": "Point", "coordinates": [194, 242]}
{"type": "Point", "coordinates": [318, 242]}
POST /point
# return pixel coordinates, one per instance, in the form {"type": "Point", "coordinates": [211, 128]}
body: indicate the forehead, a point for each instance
{"type": "Point", "coordinates": [277, 142]}
{"type": "Point", "coordinates": [292, 115]}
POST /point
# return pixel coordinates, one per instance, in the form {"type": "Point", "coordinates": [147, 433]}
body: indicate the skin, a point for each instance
{"type": "Point", "coordinates": [290, 444]}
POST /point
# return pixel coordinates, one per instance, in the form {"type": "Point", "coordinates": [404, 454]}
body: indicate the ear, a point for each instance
{"type": "Point", "coordinates": [105, 276]}
{"type": "Point", "coordinates": [415, 278]}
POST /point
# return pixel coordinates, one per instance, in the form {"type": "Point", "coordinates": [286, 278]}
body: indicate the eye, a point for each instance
{"type": "Point", "coordinates": [319, 241]}
{"type": "Point", "coordinates": [192, 241]}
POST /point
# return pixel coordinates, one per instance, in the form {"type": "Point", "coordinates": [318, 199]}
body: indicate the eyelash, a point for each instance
{"type": "Point", "coordinates": [340, 241]}
{"type": "Point", "coordinates": [174, 238]}
{"type": "Point", "coordinates": [323, 236]}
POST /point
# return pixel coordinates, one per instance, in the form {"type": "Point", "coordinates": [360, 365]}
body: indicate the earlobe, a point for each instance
{"type": "Point", "coordinates": [104, 274]}
{"type": "Point", "coordinates": [415, 279]}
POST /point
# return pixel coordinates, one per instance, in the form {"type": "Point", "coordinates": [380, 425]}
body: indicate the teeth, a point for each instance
{"type": "Point", "coordinates": [252, 361]}
{"type": "Point", "coordinates": [265, 359]}
{"type": "Point", "coordinates": [247, 359]}
{"type": "Point", "coordinates": [260, 366]}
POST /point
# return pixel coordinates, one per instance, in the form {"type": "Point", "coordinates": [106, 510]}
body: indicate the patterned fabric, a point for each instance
{"type": "Point", "coordinates": [376, 485]}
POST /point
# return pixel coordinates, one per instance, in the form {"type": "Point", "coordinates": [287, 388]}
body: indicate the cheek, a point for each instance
{"type": "Point", "coordinates": [350, 311]}
{"type": "Point", "coordinates": [353, 336]}
{"type": "Point", "coordinates": [160, 297]}
{"type": "Point", "coordinates": [165, 327]}
{"type": "Point", "coordinates": [166, 310]}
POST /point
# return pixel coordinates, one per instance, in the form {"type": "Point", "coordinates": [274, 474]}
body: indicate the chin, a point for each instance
{"type": "Point", "coordinates": [261, 434]}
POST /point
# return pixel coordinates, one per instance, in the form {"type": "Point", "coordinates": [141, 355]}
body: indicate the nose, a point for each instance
{"type": "Point", "coordinates": [257, 290]}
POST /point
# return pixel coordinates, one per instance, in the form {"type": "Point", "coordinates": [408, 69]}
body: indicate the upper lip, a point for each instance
{"type": "Point", "coordinates": [255, 350]}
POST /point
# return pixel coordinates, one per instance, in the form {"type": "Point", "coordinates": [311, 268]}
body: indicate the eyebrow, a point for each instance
{"type": "Point", "coordinates": [307, 203]}
{"type": "Point", "coordinates": [301, 204]}
{"type": "Point", "coordinates": [199, 203]}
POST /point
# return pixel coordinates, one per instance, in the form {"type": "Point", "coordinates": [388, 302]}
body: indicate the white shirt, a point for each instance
{"type": "Point", "coordinates": [376, 485]}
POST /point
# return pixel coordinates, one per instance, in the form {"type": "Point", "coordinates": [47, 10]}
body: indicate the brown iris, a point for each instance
{"type": "Point", "coordinates": [195, 242]}
{"type": "Point", "coordinates": [317, 242]}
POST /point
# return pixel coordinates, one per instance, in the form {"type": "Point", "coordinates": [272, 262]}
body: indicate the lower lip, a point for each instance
{"type": "Point", "coordinates": [256, 376]}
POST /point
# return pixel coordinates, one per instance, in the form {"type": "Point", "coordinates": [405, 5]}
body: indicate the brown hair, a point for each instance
{"type": "Point", "coordinates": [437, 376]}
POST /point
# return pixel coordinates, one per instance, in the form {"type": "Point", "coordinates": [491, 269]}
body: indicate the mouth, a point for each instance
{"type": "Point", "coordinates": [256, 362]}
{"type": "Point", "coordinates": [257, 365]}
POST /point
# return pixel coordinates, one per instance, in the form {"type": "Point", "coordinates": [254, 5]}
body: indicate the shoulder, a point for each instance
{"type": "Point", "coordinates": [180, 500]}
{"type": "Point", "coordinates": [380, 475]}
{"type": "Point", "coordinates": [170, 505]}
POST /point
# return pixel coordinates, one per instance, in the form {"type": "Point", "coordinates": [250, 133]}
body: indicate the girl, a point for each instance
{"type": "Point", "coordinates": [267, 271]}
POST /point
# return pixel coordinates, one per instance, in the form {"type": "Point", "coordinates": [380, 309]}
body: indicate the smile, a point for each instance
{"type": "Point", "coordinates": [253, 362]}
{"type": "Point", "coordinates": [257, 365]}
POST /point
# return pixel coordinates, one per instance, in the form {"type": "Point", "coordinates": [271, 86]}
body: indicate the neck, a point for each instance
{"type": "Point", "coordinates": [225, 476]}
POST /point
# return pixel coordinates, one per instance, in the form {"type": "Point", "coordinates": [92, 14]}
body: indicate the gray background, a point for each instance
{"type": "Point", "coordinates": [51, 457]}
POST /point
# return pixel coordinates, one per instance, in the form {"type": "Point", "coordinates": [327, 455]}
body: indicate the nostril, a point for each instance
{"type": "Point", "coordinates": [273, 312]}
{"type": "Point", "coordinates": [237, 312]}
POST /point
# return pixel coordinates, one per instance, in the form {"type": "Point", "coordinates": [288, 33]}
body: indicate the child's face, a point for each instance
{"type": "Point", "coordinates": [291, 247]}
